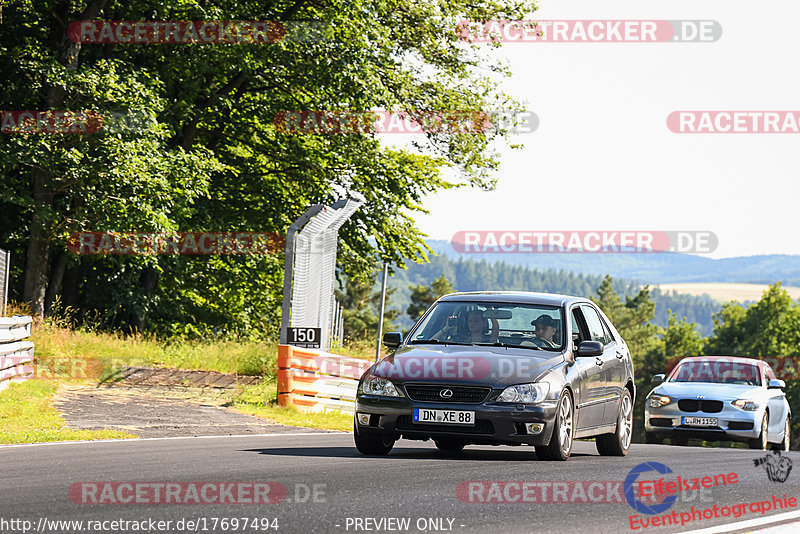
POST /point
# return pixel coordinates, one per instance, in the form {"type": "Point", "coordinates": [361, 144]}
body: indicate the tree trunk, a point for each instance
{"type": "Point", "coordinates": [38, 257]}
{"type": "Point", "coordinates": [56, 281]}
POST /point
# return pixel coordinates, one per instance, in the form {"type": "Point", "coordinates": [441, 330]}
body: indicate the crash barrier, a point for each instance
{"type": "Point", "coordinates": [16, 355]}
{"type": "Point", "coordinates": [317, 381]}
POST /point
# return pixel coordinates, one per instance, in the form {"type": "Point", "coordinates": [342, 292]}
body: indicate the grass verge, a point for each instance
{"type": "Point", "coordinates": [26, 416]}
{"type": "Point", "coordinates": [261, 400]}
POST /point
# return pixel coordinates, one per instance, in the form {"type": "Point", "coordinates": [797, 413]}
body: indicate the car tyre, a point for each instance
{"type": "Point", "coordinates": [760, 442]}
{"type": "Point", "coordinates": [787, 436]}
{"type": "Point", "coordinates": [372, 445]}
{"type": "Point", "coordinates": [560, 446]}
{"type": "Point", "coordinates": [652, 438]}
{"type": "Point", "coordinates": [449, 445]}
{"type": "Point", "coordinates": [618, 443]}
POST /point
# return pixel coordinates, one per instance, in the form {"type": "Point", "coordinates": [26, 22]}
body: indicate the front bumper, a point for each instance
{"type": "Point", "coordinates": [496, 423]}
{"type": "Point", "coordinates": [733, 424]}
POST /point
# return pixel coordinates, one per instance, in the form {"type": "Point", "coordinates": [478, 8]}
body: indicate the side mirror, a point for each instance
{"type": "Point", "coordinates": [590, 348]}
{"type": "Point", "coordinates": [392, 339]}
{"type": "Point", "coordinates": [657, 379]}
{"type": "Point", "coordinates": [776, 384]}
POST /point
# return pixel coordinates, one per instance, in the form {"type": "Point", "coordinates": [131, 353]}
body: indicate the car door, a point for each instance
{"type": "Point", "coordinates": [591, 389]}
{"type": "Point", "coordinates": [617, 371]}
{"type": "Point", "coordinates": [608, 363]}
{"type": "Point", "coordinates": [776, 402]}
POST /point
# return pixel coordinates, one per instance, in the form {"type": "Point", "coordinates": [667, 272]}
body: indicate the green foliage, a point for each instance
{"type": "Point", "coordinates": [423, 296]}
{"type": "Point", "coordinates": [681, 338]}
{"type": "Point", "coordinates": [211, 157]}
{"type": "Point", "coordinates": [360, 309]}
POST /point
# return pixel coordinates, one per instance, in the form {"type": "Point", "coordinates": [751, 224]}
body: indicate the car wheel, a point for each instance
{"type": "Point", "coordinates": [560, 446]}
{"type": "Point", "coordinates": [787, 436]}
{"type": "Point", "coordinates": [449, 445]}
{"type": "Point", "coordinates": [760, 442]}
{"type": "Point", "coordinates": [618, 443]}
{"type": "Point", "coordinates": [652, 438]}
{"type": "Point", "coordinates": [372, 445]}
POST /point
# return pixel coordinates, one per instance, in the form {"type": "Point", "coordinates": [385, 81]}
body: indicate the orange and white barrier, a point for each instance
{"type": "Point", "coordinates": [316, 381]}
{"type": "Point", "coordinates": [16, 355]}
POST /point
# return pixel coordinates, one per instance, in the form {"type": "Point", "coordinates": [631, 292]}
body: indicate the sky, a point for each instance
{"type": "Point", "coordinates": [603, 158]}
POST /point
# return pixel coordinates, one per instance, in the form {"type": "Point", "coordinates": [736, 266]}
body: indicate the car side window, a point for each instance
{"type": "Point", "coordinates": [577, 320]}
{"type": "Point", "coordinates": [607, 330]}
{"type": "Point", "coordinates": [770, 375]}
{"type": "Point", "coordinates": [595, 325]}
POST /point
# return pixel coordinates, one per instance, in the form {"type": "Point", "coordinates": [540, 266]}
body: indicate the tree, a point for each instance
{"type": "Point", "coordinates": [214, 160]}
{"type": "Point", "coordinates": [423, 296]}
{"type": "Point", "coordinates": [360, 305]}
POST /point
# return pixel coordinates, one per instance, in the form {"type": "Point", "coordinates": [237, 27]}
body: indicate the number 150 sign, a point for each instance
{"type": "Point", "coordinates": [304, 337]}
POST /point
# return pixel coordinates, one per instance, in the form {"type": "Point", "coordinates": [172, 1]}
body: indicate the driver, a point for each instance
{"type": "Point", "coordinates": [477, 330]}
{"type": "Point", "coordinates": [545, 328]}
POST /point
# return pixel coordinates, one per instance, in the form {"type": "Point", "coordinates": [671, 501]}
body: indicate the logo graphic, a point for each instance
{"type": "Point", "coordinates": [630, 481]}
{"type": "Point", "coordinates": [777, 467]}
{"type": "Point", "coordinates": [446, 393]}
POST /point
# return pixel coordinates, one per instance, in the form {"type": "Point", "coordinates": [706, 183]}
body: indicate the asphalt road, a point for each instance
{"type": "Point", "coordinates": [415, 481]}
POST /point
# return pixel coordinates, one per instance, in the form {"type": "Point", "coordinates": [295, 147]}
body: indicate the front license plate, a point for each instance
{"type": "Point", "coordinates": [700, 421]}
{"type": "Point", "coordinates": [444, 417]}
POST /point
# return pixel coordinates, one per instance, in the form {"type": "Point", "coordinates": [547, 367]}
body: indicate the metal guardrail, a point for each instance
{"type": "Point", "coordinates": [316, 381]}
{"type": "Point", "coordinates": [16, 354]}
{"type": "Point", "coordinates": [5, 269]}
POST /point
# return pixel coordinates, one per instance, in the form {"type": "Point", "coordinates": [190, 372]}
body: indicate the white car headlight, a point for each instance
{"type": "Point", "coordinates": [525, 393]}
{"type": "Point", "coordinates": [657, 401]}
{"type": "Point", "coordinates": [373, 385]}
{"type": "Point", "coordinates": [746, 404]}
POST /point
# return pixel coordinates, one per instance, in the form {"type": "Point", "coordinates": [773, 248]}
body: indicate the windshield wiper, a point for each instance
{"type": "Point", "coordinates": [436, 342]}
{"type": "Point", "coordinates": [498, 344]}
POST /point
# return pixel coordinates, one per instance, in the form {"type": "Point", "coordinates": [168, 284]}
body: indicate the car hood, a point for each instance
{"type": "Point", "coordinates": [454, 364]}
{"type": "Point", "coordinates": [690, 390]}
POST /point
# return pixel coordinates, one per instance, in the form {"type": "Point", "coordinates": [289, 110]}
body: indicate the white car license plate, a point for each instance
{"type": "Point", "coordinates": [444, 417]}
{"type": "Point", "coordinates": [700, 421]}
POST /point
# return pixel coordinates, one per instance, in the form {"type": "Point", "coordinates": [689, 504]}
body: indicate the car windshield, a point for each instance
{"type": "Point", "coordinates": [718, 372]}
{"type": "Point", "coordinates": [503, 324]}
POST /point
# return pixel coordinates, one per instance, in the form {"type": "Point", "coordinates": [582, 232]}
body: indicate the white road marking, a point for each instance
{"type": "Point", "coordinates": [730, 527]}
{"type": "Point", "coordinates": [137, 440]}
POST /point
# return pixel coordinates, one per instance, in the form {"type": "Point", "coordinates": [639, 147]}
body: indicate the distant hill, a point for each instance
{"type": "Point", "coordinates": [650, 268]}
{"type": "Point", "coordinates": [467, 274]}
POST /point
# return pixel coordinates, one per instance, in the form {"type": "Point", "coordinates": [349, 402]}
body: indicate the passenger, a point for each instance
{"type": "Point", "coordinates": [478, 330]}
{"type": "Point", "coordinates": [545, 329]}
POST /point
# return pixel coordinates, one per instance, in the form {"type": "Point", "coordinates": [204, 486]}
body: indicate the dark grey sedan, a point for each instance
{"type": "Point", "coordinates": [501, 368]}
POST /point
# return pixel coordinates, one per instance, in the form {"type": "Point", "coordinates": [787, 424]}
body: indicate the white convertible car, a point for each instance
{"type": "Point", "coordinates": [719, 398]}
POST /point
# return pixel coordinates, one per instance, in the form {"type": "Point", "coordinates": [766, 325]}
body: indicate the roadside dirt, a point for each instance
{"type": "Point", "coordinates": [154, 403]}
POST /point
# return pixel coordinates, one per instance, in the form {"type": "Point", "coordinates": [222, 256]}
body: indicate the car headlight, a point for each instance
{"type": "Point", "coordinates": [745, 404]}
{"type": "Point", "coordinates": [657, 401]}
{"type": "Point", "coordinates": [373, 385]}
{"type": "Point", "coordinates": [525, 393]}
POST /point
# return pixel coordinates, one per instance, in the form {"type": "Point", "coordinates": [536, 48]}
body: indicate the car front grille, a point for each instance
{"type": "Point", "coordinates": [461, 394]}
{"type": "Point", "coordinates": [740, 425]}
{"type": "Point", "coordinates": [482, 426]}
{"type": "Point", "coordinates": [696, 405]}
{"type": "Point", "coordinates": [660, 421]}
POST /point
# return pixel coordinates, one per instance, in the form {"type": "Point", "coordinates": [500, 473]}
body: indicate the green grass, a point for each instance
{"type": "Point", "coordinates": [26, 416]}
{"type": "Point", "coordinates": [83, 350]}
{"type": "Point", "coordinates": [261, 400]}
